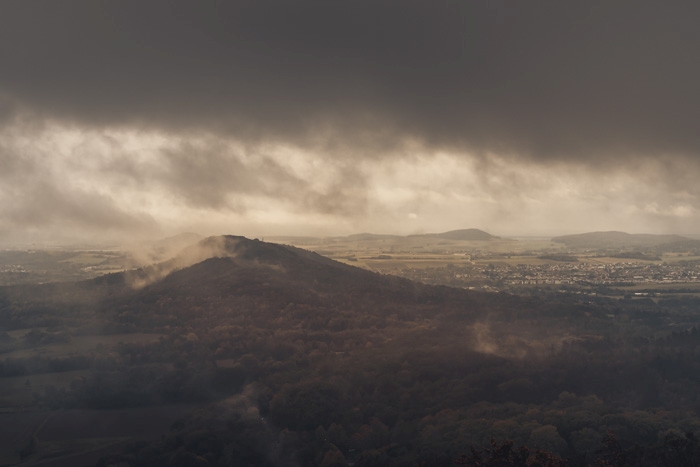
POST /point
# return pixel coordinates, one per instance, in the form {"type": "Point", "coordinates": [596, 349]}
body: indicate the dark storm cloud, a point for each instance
{"type": "Point", "coordinates": [546, 79]}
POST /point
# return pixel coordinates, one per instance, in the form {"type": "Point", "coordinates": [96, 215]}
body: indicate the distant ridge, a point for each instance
{"type": "Point", "coordinates": [457, 235]}
{"type": "Point", "coordinates": [466, 234]}
{"type": "Point", "coordinates": [461, 234]}
{"type": "Point", "coordinates": [616, 239]}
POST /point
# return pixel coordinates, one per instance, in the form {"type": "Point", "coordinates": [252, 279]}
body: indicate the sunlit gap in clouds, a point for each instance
{"type": "Point", "coordinates": [67, 180]}
{"type": "Point", "coordinates": [511, 196]}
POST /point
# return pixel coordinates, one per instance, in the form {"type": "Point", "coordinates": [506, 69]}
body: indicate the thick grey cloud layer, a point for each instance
{"type": "Point", "coordinates": [545, 79]}
{"type": "Point", "coordinates": [395, 116]}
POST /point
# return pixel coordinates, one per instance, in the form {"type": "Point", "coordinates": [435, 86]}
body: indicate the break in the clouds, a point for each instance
{"type": "Point", "coordinates": [343, 116]}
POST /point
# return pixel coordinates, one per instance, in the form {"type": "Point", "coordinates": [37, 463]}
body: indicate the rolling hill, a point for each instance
{"type": "Point", "coordinates": [455, 235]}
{"type": "Point", "coordinates": [228, 277]}
{"type": "Point", "coordinates": [466, 234]}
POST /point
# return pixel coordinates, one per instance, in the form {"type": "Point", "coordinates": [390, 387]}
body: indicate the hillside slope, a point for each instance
{"type": "Point", "coordinates": [262, 280]}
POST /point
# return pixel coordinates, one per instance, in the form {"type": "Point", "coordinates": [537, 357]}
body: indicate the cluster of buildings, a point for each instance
{"type": "Point", "coordinates": [579, 273]}
{"type": "Point", "coordinates": [623, 273]}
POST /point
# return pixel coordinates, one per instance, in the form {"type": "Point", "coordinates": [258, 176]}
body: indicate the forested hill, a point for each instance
{"type": "Point", "coordinates": [266, 280]}
{"type": "Point", "coordinates": [224, 277]}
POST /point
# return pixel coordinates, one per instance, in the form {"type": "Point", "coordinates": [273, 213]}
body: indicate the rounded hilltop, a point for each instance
{"type": "Point", "coordinates": [462, 234]}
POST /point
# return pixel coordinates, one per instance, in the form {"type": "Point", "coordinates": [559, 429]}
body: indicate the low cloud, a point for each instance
{"type": "Point", "coordinates": [212, 247]}
{"type": "Point", "coordinates": [65, 181]}
{"type": "Point", "coordinates": [338, 117]}
{"type": "Point", "coordinates": [110, 182]}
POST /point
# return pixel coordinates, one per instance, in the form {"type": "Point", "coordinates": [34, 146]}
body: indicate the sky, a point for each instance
{"type": "Point", "coordinates": [123, 120]}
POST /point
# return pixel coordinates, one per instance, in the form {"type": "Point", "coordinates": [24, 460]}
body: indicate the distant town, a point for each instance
{"type": "Point", "coordinates": [606, 263]}
{"type": "Point", "coordinates": [495, 275]}
{"type": "Point", "coordinates": [601, 263]}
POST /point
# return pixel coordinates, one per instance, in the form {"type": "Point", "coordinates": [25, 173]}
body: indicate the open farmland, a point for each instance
{"type": "Point", "coordinates": [519, 265]}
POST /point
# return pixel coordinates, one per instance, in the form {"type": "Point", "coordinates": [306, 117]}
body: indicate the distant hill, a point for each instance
{"type": "Point", "coordinates": [467, 234]}
{"type": "Point", "coordinates": [462, 234]}
{"type": "Point", "coordinates": [615, 239]}
{"type": "Point", "coordinates": [457, 235]}
{"type": "Point", "coordinates": [293, 239]}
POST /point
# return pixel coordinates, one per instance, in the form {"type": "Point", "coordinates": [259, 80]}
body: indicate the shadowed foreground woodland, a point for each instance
{"type": "Point", "coordinates": [283, 357]}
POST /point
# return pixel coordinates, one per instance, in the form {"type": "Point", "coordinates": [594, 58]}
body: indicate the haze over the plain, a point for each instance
{"type": "Point", "coordinates": [136, 119]}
